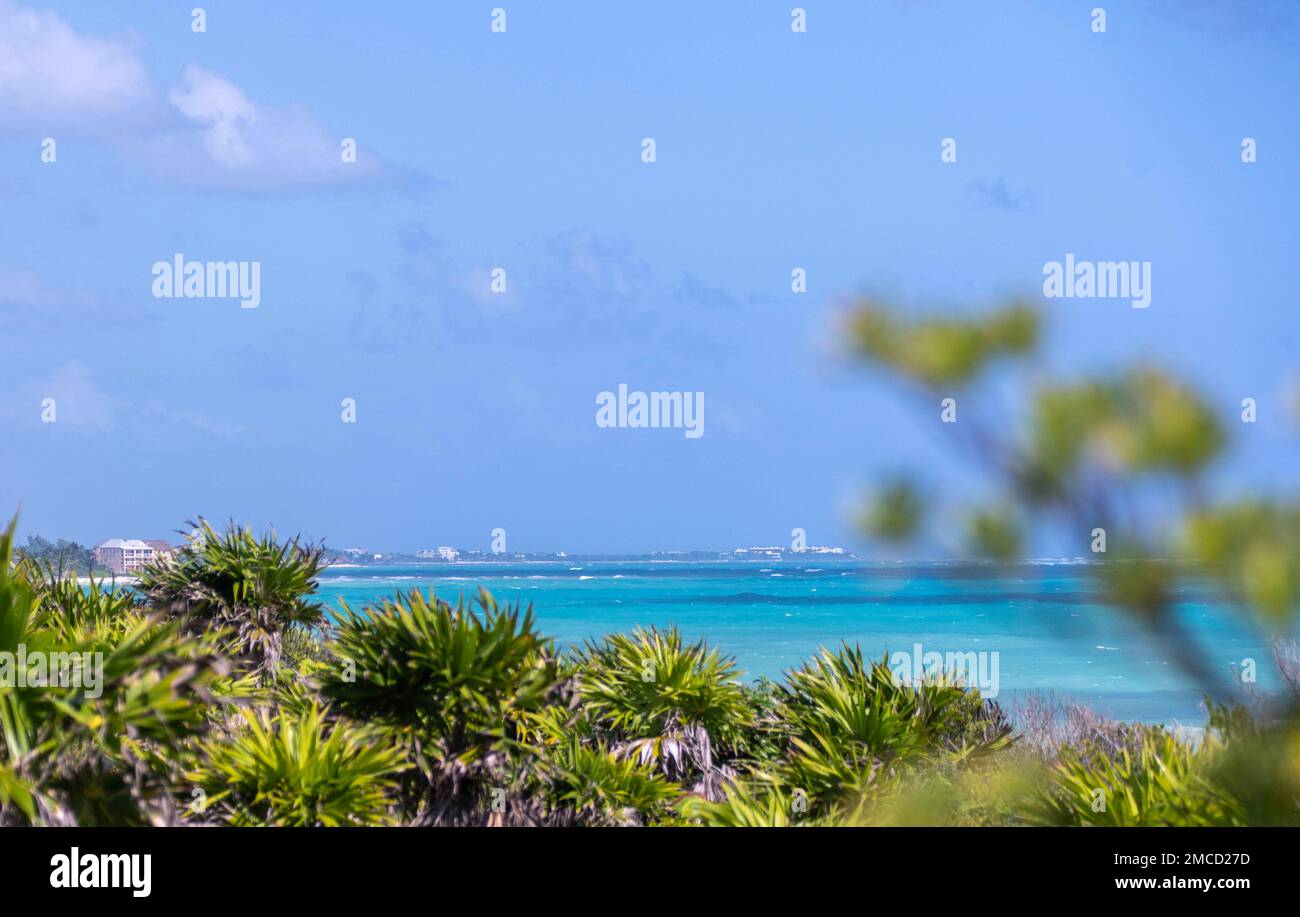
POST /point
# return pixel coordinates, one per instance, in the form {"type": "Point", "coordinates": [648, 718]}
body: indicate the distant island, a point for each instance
{"type": "Point", "coordinates": [449, 555]}
{"type": "Point", "coordinates": [117, 556]}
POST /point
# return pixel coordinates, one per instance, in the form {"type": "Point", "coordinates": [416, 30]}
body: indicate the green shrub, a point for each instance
{"type": "Point", "coordinates": [254, 591]}
{"type": "Point", "coordinates": [1166, 782]}
{"type": "Point", "coordinates": [449, 684]}
{"type": "Point", "coordinates": [853, 729]}
{"type": "Point", "coordinates": [676, 706]}
{"type": "Point", "coordinates": [295, 770]}
{"type": "Point", "coordinates": [99, 747]}
{"type": "Point", "coordinates": [600, 787]}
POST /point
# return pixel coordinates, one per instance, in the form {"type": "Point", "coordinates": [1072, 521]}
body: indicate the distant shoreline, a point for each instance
{"type": "Point", "coordinates": [791, 560]}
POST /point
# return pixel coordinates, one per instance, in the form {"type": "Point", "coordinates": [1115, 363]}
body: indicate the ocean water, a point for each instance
{"type": "Point", "coordinates": [1045, 622]}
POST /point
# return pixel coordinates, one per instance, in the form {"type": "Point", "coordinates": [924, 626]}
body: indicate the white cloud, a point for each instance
{"type": "Point", "coordinates": [204, 131]}
{"type": "Point", "coordinates": [220, 110]}
{"type": "Point", "coordinates": [477, 285]}
{"type": "Point", "coordinates": [22, 288]}
{"type": "Point", "coordinates": [169, 416]}
{"type": "Point", "coordinates": [30, 302]}
{"type": "Point", "coordinates": [599, 266]}
{"type": "Point", "coordinates": [78, 401]}
{"type": "Point", "coordinates": [54, 79]}
{"type": "Point", "coordinates": [226, 140]}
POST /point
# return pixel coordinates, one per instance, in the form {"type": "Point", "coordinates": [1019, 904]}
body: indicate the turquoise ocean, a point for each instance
{"type": "Point", "coordinates": [1046, 622]}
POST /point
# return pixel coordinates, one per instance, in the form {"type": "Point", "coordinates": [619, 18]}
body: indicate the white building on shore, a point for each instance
{"type": "Point", "coordinates": [127, 555]}
{"type": "Point", "coordinates": [442, 553]}
{"type": "Point", "coordinates": [774, 552]}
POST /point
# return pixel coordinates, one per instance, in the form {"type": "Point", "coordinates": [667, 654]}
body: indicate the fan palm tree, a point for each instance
{"type": "Point", "coordinates": [91, 726]}
{"type": "Point", "coordinates": [675, 706]}
{"type": "Point", "coordinates": [852, 727]}
{"type": "Point", "coordinates": [256, 590]}
{"type": "Point", "coordinates": [295, 770]}
{"type": "Point", "coordinates": [450, 684]}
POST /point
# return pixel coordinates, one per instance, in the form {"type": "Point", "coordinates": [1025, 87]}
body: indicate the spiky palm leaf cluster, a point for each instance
{"type": "Point", "coordinates": [747, 805]}
{"type": "Point", "coordinates": [1166, 781]}
{"type": "Point", "coordinates": [254, 590]}
{"type": "Point", "coordinates": [451, 684]}
{"type": "Point", "coordinates": [674, 706]}
{"type": "Point", "coordinates": [81, 738]}
{"type": "Point", "coordinates": [72, 611]}
{"type": "Point", "coordinates": [416, 711]}
{"type": "Point", "coordinates": [287, 769]}
{"type": "Point", "coordinates": [223, 678]}
{"type": "Point", "coordinates": [846, 734]}
{"type": "Point", "coordinates": [598, 786]}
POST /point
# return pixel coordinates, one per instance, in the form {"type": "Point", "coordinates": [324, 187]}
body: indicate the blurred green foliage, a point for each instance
{"type": "Point", "coordinates": [942, 351]}
{"type": "Point", "coordinates": [229, 697]}
{"type": "Point", "coordinates": [895, 512]}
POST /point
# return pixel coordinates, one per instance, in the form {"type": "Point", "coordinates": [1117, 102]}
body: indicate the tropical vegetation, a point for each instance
{"type": "Point", "coordinates": [218, 690]}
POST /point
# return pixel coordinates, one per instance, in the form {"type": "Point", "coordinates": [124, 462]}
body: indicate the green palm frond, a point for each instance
{"type": "Point", "coordinates": [295, 770]}
{"type": "Point", "coordinates": [76, 727]}
{"type": "Point", "coordinates": [665, 702]}
{"type": "Point", "coordinates": [753, 805]}
{"type": "Point", "coordinates": [452, 685]}
{"type": "Point", "coordinates": [602, 787]}
{"type": "Point", "coordinates": [452, 677]}
{"type": "Point", "coordinates": [1166, 781]}
{"type": "Point", "coordinates": [255, 590]}
{"type": "Point", "coordinates": [73, 611]}
{"type": "Point", "coordinates": [853, 728]}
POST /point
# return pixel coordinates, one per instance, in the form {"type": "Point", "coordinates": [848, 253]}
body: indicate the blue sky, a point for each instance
{"type": "Point", "coordinates": [522, 150]}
